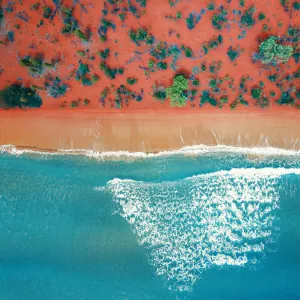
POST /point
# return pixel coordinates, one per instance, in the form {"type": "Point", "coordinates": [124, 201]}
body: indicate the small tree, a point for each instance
{"type": "Point", "coordinates": [271, 53]}
{"type": "Point", "coordinates": [176, 92]}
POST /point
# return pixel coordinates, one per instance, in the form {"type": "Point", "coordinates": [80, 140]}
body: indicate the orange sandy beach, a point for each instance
{"type": "Point", "coordinates": [147, 132]}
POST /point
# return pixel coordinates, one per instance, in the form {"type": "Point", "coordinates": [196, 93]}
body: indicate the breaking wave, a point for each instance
{"type": "Point", "coordinates": [226, 218]}
{"type": "Point", "coordinates": [195, 150]}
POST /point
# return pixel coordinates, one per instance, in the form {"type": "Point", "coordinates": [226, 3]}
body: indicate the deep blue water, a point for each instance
{"type": "Point", "coordinates": [180, 228]}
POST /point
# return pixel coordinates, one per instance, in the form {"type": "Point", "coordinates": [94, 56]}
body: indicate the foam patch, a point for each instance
{"type": "Point", "coordinates": [217, 219]}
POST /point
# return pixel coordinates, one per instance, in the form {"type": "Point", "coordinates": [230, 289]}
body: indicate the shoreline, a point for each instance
{"type": "Point", "coordinates": [52, 131]}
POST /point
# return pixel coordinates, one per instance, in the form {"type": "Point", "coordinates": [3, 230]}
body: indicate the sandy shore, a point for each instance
{"type": "Point", "coordinates": [147, 132]}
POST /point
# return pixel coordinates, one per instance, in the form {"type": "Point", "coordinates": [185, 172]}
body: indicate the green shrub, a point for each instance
{"type": "Point", "coordinates": [273, 77]}
{"type": "Point", "coordinates": [70, 23]}
{"type": "Point", "coordinates": [16, 95]}
{"type": "Point", "coordinates": [247, 19]}
{"type": "Point", "coordinates": [104, 54]}
{"type": "Point", "coordinates": [233, 54]}
{"type": "Point", "coordinates": [95, 78]}
{"type": "Point", "coordinates": [206, 98]}
{"type": "Point", "coordinates": [1, 15]}
{"type": "Point", "coordinates": [56, 88]}
{"type": "Point", "coordinates": [47, 12]}
{"type": "Point", "coordinates": [188, 52]}
{"type": "Point", "coordinates": [296, 5]}
{"type": "Point", "coordinates": [80, 53]}
{"type": "Point", "coordinates": [261, 16]}
{"type": "Point", "coordinates": [131, 80]}
{"type": "Point", "coordinates": [196, 82]}
{"type": "Point", "coordinates": [159, 93]}
{"type": "Point", "coordinates": [176, 92]}
{"type": "Point", "coordinates": [179, 15]}
{"type": "Point", "coordinates": [162, 65]}
{"type": "Point", "coordinates": [140, 35]}
{"type": "Point", "coordinates": [74, 103]}
{"type": "Point", "coordinates": [86, 101]}
{"type": "Point", "coordinates": [219, 19]}
{"type": "Point", "coordinates": [256, 93]}
{"type": "Point", "coordinates": [286, 99]}
{"type": "Point", "coordinates": [111, 73]}
{"type": "Point", "coordinates": [285, 4]}
{"type": "Point", "coordinates": [35, 65]}
{"type": "Point", "coordinates": [211, 6]}
{"type": "Point", "coordinates": [271, 53]}
{"type": "Point", "coordinates": [80, 35]}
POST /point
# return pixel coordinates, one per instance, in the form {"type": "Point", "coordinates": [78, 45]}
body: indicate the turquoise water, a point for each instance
{"type": "Point", "coordinates": [215, 226]}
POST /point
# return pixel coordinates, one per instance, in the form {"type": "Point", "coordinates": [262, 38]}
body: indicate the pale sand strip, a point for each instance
{"type": "Point", "coordinates": [147, 132]}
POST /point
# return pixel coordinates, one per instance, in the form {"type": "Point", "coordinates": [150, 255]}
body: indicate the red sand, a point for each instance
{"type": "Point", "coordinates": [118, 41]}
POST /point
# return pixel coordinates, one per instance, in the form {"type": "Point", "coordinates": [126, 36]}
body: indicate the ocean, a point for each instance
{"type": "Point", "coordinates": [223, 223]}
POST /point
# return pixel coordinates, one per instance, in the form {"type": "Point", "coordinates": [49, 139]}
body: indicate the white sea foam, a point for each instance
{"type": "Point", "coordinates": [217, 219]}
{"type": "Point", "coordinates": [195, 150]}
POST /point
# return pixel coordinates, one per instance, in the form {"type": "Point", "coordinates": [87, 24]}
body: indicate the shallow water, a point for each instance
{"type": "Point", "coordinates": [216, 226]}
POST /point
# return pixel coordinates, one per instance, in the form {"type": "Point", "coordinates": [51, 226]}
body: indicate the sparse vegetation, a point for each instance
{"type": "Point", "coordinates": [55, 87]}
{"type": "Point", "coordinates": [219, 19]}
{"type": "Point", "coordinates": [207, 98]}
{"type": "Point", "coordinates": [35, 64]}
{"type": "Point", "coordinates": [111, 73]}
{"type": "Point", "coordinates": [140, 35]}
{"type": "Point", "coordinates": [159, 92]}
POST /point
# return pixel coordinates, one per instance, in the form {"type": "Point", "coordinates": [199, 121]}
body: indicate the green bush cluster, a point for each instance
{"type": "Point", "coordinates": [256, 93]}
{"type": "Point", "coordinates": [219, 19]}
{"type": "Point", "coordinates": [111, 73]}
{"type": "Point", "coordinates": [207, 98]}
{"type": "Point", "coordinates": [70, 23]}
{"type": "Point", "coordinates": [104, 54]}
{"type": "Point", "coordinates": [247, 19]}
{"type": "Point", "coordinates": [233, 53]}
{"type": "Point", "coordinates": [162, 65]}
{"type": "Point", "coordinates": [211, 6]}
{"type": "Point", "coordinates": [35, 65]}
{"type": "Point", "coordinates": [141, 35]}
{"type": "Point", "coordinates": [82, 74]}
{"type": "Point", "coordinates": [81, 35]}
{"type": "Point", "coordinates": [296, 5]}
{"type": "Point", "coordinates": [16, 95]}
{"type": "Point", "coordinates": [214, 43]}
{"type": "Point", "coordinates": [286, 99]}
{"type": "Point", "coordinates": [177, 91]}
{"type": "Point", "coordinates": [271, 53]}
{"type": "Point", "coordinates": [1, 15]}
{"type": "Point", "coordinates": [160, 51]}
{"type": "Point", "coordinates": [56, 88]}
{"type": "Point", "coordinates": [131, 80]}
{"type": "Point", "coordinates": [188, 52]}
{"type": "Point", "coordinates": [159, 92]}
{"type": "Point", "coordinates": [47, 11]}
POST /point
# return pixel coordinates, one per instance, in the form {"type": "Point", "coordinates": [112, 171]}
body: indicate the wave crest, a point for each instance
{"type": "Point", "coordinates": [195, 150]}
